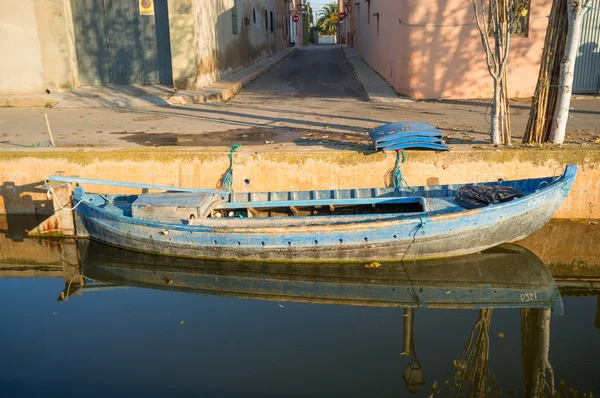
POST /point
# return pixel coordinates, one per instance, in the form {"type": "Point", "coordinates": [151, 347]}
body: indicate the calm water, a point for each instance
{"type": "Point", "coordinates": [126, 342]}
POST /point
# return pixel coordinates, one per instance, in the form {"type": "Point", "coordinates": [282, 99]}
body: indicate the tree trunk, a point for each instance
{"type": "Point", "coordinates": [567, 68]}
{"type": "Point", "coordinates": [495, 124]}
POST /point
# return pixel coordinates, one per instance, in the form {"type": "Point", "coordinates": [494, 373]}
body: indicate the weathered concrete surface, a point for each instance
{"type": "Point", "coordinates": [568, 248]}
{"type": "Point", "coordinates": [289, 169]}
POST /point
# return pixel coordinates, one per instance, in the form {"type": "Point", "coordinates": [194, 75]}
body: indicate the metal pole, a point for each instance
{"type": "Point", "coordinates": [91, 181]}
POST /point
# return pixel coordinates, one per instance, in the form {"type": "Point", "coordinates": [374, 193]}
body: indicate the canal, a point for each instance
{"type": "Point", "coordinates": [84, 319]}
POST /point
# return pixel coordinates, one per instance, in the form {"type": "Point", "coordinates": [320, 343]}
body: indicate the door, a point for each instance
{"type": "Point", "coordinates": [115, 44]}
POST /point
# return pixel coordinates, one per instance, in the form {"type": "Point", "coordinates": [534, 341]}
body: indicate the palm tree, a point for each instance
{"type": "Point", "coordinates": [328, 17]}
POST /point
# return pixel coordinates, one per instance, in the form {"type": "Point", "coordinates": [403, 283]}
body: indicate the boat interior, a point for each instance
{"type": "Point", "coordinates": [186, 207]}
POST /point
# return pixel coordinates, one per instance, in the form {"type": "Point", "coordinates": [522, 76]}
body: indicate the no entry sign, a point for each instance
{"type": "Point", "coordinates": [295, 18]}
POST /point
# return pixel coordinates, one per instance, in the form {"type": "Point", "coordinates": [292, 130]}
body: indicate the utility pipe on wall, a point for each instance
{"type": "Point", "coordinates": [268, 34]}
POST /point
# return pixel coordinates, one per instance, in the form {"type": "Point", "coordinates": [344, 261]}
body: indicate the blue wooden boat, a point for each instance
{"type": "Point", "coordinates": [323, 226]}
{"type": "Point", "coordinates": [506, 276]}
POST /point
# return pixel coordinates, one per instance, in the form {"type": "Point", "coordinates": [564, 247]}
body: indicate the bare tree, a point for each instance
{"type": "Point", "coordinates": [575, 9]}
{"type": "Point", "coordinates": [497, 18]}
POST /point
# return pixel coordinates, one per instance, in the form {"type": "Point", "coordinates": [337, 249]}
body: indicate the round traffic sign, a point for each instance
{"type": "Point", "coordinates": [295, 18]}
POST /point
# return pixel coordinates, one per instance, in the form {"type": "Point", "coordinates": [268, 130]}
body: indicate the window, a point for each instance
{"type": "Point", "coordinates": [271, 21]}
{"type": "Point", "coordinates": [520, 26]}
{"type": "Point", "coordinates": [234, 19]}
{"type": "Point", "coordinates": [266, 20]}
{"type": "Point", "coordinates": [254, 15]}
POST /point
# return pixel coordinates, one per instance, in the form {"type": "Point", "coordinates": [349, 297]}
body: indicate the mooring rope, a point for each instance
{"type": "Point", "coordinates": [415, 287]}
{"type": "Point", "coordinates": [51, 191]}
{"type": "Point", "coordinates": [227, 180]}
{"type": "Point", "coordinates": [66, 296]}
{"type": "Point", "coordinates": [397, 177]}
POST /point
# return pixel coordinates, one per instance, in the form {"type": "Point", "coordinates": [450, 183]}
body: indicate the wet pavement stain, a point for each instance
{"type": "Point", "coordinates": [250, 136]}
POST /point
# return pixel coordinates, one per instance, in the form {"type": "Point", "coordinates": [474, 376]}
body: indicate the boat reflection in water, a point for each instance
{"type": "Point", "coordinates": [507, 276]}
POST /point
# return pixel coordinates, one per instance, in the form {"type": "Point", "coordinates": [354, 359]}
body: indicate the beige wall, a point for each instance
{"type": "Point", "coordinates": [21, 67]}
{"type": "Point", "coordinates": [203, 45]}
{"type": "Point", "coordinates": [441, 61]}
{"type": "Point", "coordinates": [36, 43]}
{"type": "Point", "coordinates": [290, 169]}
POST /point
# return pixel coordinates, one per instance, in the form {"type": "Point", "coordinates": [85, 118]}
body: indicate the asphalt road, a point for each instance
{"type": "Point", "coordinates": [315, 72]}
{"type": "Point", "coordinates": [310, 100]}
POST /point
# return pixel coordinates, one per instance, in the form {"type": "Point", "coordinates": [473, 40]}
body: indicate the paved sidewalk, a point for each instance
{"type": "Point", "coordinates": [135, 96]}
{"type": "Point", "coordinates": [375, 87]}
{"type": "Point", "coordinates": [225, 89]}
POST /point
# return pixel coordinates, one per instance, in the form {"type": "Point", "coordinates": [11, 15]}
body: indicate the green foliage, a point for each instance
{"type": "Point", "coordinates": [328, 18]}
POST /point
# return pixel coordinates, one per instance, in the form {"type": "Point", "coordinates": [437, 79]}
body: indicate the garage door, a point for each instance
{"type": "Point", "coordinates": [587, 65]}
{"type": "Point", "coordinates": [122, 41]}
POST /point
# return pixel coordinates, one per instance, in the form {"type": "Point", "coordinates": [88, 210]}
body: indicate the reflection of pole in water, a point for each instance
{"type": "Point", "coordinates": [69, 257]}
{"type": "Point", "coordinates": [473, 378]}
{"type": "Point", "coordinates": [413, 375]}
{"type": "Point", "coordinates": [597, 322]}
{"type": "Point", "coordinates": [535, 341]}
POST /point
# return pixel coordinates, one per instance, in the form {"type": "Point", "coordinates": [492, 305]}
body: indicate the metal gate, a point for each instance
{"type": "Point", "coordinates": [587, 65]}
{"type": "Point", "coordinates": [115, 44]}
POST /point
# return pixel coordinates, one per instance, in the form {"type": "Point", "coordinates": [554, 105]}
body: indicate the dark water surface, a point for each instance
{"type": "Point", "coordinates": [125, 341]}
{"type": "Point", "coordinates": [133, 343]}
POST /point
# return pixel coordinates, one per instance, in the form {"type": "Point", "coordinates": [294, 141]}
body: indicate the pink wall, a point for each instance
{"type": "Point", "coordinates": [441, 61]}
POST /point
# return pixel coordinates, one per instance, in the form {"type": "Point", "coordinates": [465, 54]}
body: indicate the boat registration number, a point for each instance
{"type": "Point", "coordinates": [536, 201]}
{"type": "Point", "coordinates": [528, 297]}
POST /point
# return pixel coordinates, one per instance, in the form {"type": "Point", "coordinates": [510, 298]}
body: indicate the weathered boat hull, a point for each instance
{"type": "Point", "coordinates": [419, 236]}
{"type": "Point", "coordinates": [502, 277]}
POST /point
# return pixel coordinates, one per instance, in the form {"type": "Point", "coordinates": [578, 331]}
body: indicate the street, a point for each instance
{"type": "Point", "coordinates": [312, 94]}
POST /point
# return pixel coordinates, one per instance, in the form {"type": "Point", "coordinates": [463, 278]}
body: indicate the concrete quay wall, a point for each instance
{"type": "Point", "coordinates": [23, 171]}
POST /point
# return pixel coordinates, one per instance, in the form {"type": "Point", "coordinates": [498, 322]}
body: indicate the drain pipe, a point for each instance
{"type": "Point", "coordinates": [268, 30]}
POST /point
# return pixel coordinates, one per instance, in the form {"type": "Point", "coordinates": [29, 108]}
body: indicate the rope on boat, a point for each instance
{"type": "Point", "coordinates": [51, 192]}
{"type": "Point", "coordinates": [397, 177]}
{"type": "Point", "coordinates": [227, 179]}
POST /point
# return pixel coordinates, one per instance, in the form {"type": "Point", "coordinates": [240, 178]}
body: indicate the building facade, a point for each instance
{"type": "Point", "coordinates": [433, 49]}
{"type": "Point", "coordinates": [62, 44]}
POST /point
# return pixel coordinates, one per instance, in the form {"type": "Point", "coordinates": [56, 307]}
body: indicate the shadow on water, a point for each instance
{"type": "Point", "coordinates": [456, 358]}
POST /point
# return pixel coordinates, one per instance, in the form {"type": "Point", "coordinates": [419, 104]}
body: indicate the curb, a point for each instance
{"type": "Point", "coordinates": [388, 95]}
{"type": "Point", "coordinates": [25, 102]}
{"type": "Point", "coordinates": [222, 95]}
